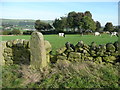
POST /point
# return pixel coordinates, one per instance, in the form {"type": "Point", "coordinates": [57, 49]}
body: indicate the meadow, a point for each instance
{"type": "Point", "coordinates": [63, 74]}
{"type": "Point", "coordinates": [58, 42]}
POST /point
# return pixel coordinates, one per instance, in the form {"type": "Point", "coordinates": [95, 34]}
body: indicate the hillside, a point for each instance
{"type": "Point", "coordinates": [22, 21]}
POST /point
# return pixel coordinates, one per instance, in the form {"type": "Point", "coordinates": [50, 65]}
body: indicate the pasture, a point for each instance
{"type": "Point", "coordinates": [58, 42]}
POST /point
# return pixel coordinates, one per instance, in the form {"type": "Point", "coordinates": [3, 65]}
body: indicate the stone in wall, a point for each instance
{"type": "Point", "coordinates": [2, 46]}
{"type": "Point", "coordinates": [74, 56]}
{"type": "Point", "coordinates": [48, 49]}
{"type": "Point", "coordinates": [61, 50]}
{"type": "Point", "coordinates": [110, 47]}
{"type": "Point", "coordinates": [38, 52]}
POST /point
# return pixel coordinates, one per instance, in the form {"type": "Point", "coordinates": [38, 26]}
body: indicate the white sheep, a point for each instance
{"type": "Point", "coordinates": [97, 34]}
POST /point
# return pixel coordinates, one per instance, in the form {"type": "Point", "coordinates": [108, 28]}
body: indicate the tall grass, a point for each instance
{"type": "Point", "coordinates": [63, 74]}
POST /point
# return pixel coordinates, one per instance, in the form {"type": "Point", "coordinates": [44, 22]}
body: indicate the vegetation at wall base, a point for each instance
{"type": "Point", "coordinates": [62, 75]}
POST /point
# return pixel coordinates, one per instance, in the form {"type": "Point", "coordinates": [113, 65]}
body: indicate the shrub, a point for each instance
{"type": "Point", "coordinates": [6, 32]}
{"type": "Point", "coordinates": [16, 32]}
{"type": "Point", "coordinates": [27, 32]}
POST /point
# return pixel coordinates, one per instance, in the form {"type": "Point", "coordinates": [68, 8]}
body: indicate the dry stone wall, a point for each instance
{"type": "Point", "coordinates": [22, 51]}
{"type": "Point", "coordinates": [36, 52]}
{"type": "Point", "coordinates": [16, 51]}
{"type": "Point", "coordinates": [96, 53]}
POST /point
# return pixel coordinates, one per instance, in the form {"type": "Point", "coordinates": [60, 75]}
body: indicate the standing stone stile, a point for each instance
{"type": "Point", "coordinates": [38, 52]}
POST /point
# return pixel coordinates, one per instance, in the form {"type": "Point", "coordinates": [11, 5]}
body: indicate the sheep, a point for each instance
{"type": "Point", "coordinates": [62, 34]}
{"type": "Point", "coordinates": [97, 34]}
{"type": "Point", "coordinates": [114, 34]}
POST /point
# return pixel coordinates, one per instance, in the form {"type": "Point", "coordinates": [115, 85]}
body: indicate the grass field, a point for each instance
{"type": "Point", "coordinates": [58, 42]}
{"type": "Point", "coordinates": [63, 75]}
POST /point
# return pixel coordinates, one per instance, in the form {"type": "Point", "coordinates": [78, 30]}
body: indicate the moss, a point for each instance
{"type": "Point", "coordinates": [116, 44]}
{"type": "Point", "coordinates": [61, 50]}
{"type": "Point", "coordinates": [8, 50]}
{"type": "Point", "coordinates": [110, 59]}
{"type": "Point", "coordinates": [25, 43]}
{"type": "Point", "coordinates": [69, 50]}
{"type": "Point", "coordinates": [100, 53]}
{"type": "Point", "coordinates": [98, 59]}
{"type": "Point", "coordinates": [93, 46]}
{"type": "Point", "coordinates": [88, 58]}
{"type": "Point", "coordinates": [9, 43]}
{"type": "Point", "coordinates": [93, 53]}
{"type": "Point", "coordinates": [15, 42]}
{"type": "Point", "coordinates": [9, 62]}
{"type": "Point", "coordinates": [61, 57]}
{"type": "Point", "coordinates": [110, 47]}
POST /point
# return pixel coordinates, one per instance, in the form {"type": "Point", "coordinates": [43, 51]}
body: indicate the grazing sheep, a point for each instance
{"type": "Point", "coordinates": [114, 34]}
{"type": "Point", "coordinates": [62, 34]}
{"type": "Point", "coordinates": [97, 34]}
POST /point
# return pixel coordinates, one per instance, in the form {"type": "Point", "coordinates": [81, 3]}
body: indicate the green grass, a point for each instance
{"type": "Point", "coordinates": [61, 75]}
{"type": "Point", "coordinates": [58, 42]}
{"type": "Point", "coordinates": [5, 38]}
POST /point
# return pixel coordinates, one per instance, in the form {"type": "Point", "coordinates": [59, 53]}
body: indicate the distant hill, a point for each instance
{"type": "Point", "coordinates": [23, 23]}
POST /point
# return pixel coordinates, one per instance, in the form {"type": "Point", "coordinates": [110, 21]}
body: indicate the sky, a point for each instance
{"type": "Point", "coordinates": [101, 11]}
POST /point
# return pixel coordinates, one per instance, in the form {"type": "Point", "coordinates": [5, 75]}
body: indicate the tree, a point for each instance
{"type": "Point", "coordinates": [39, 25]}
{"type": "Point", "coordinates": [70, 20]}
{"type": "Point", "coordinates": [60, 24]}
{"type": "Point", "coordinates": [78, 20]}
{"type": "Point", "coordinates": [117, 28]}
{"type": "Point", "coordinates": [87, 13]}
{"type": "Point", "coordinates": [98, 26]}
{"type": "Point", "coordinates": [48, 26]}
{"type": "Point", "coordinates": [109, 27]}
{"type": "Point", "coordinates": [88, 23]}
{"type": "Point", "coordinates": [64, 22]}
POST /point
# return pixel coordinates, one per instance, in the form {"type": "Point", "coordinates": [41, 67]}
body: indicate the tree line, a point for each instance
{"type": "Point", "coordinates": [75, 22]}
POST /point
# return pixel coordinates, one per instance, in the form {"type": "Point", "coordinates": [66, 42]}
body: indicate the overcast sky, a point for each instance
{"type": "Point", "coordinates": [101, 11]}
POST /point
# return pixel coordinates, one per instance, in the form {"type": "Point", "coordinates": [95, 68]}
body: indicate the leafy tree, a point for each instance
{"type": "Point", "coordinates": [87, 13]}
{"type": "Point", "coordinates": [109, 27]}
{"type": "Point", "coordinates": [78, 20]}
{"type": "Point", "coordinates": [60, 24]}
{"type": "Point", "coordinates": [117, 29]}
{"type": "Point", "coordinates": [64, 22]}
{"type": "Point", "coordinates": [88, 23]}
{"type": "Point", "coordinates": [39, 25]}
{"type": "Point", "coordinates": [56, 24]}
{"type": "Point", "coordinates": [98, 26]}
{"type": "Point", "coordinates": [70, 19]}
